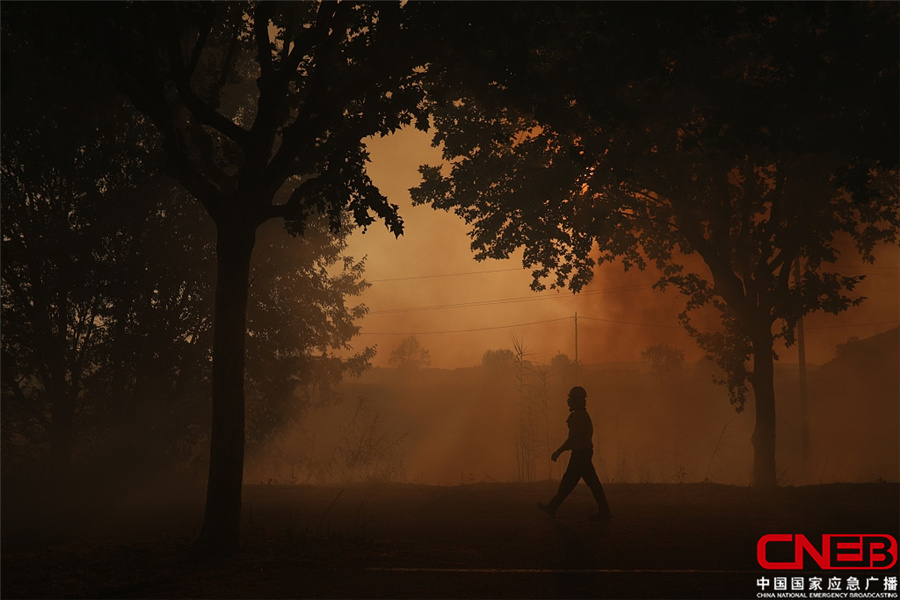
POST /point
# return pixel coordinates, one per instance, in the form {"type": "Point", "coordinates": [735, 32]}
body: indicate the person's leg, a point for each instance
{"type": "Point", "coordinates": [593, 482]}
{"type": "Point", "coordinates": [566, 485]}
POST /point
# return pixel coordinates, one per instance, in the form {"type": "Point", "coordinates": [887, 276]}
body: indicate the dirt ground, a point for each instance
{"type": "Point", "coordinates": [406, 541]}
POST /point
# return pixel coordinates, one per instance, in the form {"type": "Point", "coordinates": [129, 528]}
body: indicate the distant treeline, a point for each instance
{"type": "Point", "coordinates": [497, 421]}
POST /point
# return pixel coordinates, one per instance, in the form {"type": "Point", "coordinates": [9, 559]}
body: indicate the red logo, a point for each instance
{"type": "Point", "coordinates": [845, 551]}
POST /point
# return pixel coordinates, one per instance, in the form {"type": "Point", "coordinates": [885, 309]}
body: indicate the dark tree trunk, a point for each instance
{"type": "Point", "coordinates": [221, 521]}
{"type": "Point", "coordinates": [763, 381]}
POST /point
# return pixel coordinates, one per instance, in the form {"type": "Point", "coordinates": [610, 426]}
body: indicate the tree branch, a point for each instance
{"type": "Point", "coordinates": [290, 34]}
{"type": "Point", "coordinates": [261, 18]}
{"type": "Point", "coordinates": [83, 350]}
{"type": "Point", "coordinates": [205, 30]}
{"type": "Point", "coordinates": [228, 61]}
{"type": "Point", "coordinates": [305, 41]}
{"type": "Point", "coordinates": [199, 109]}
{"type": "Point", "coordinates": [325, 112]}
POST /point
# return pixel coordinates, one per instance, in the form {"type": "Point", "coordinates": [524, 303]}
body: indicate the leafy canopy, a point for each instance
{"type": "Point", "coordinates": [738, 133]}
{"type": "Point", "coordinates": [263, 106]}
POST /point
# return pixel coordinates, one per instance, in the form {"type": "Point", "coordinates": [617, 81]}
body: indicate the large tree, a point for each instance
{"type": "Point", "coordinates": [61, 245]}
{"type": "Point", "coordinates": [749, 135]}
{"type": "Point", "coordinates": [263, 109]}
{"type": "Point", "coordinates": [302, 320]}
{"type": "Point", "coordinates": [54, 302]}
{"type": "Point", "coordinates": [107, 284]}
{"type": "Point", "coordinates": [89, 220]}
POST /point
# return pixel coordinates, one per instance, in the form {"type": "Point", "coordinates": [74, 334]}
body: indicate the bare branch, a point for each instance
{"type": "Point", "coordinates": [202, 111]}
{"type": "Point", "coordinates": [178, 161]}
{"type": "Point", "coordinates": [261, 19]}
{"type": "Point", "coordinates": [228, 62]}
{"type": "Point", "coordinates": [205, 30]}
{"type": "Point", "coordinates": [147, 92]}
{"type": "Point", "coordinates": [290, 27]}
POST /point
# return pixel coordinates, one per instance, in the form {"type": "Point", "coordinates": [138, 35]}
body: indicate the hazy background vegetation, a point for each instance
{"type": "Point", "coordinates": [480, 424]}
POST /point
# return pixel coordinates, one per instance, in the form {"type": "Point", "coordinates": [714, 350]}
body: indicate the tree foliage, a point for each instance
{"type": "Point", "coordinates": [108, 270]}
{"type": "Point", "coordinates": [302, 318]}
{"type": "Point", "coordinates": [64, 255]}
{"type": "Point", "coordinates": [263, 109]}
{"type": "Point", "coordinates": [501, 358]}
{"type": "Point", "coordinates": [737, 133]}
{"type": "Point", "coordinates": [663, 359]}
{"type": "Point", "coordinates": [410, 354]}
{"type": "Point", "coordinates": [106, 320]}
{"type": "Point", "coordinates": [281, 94]}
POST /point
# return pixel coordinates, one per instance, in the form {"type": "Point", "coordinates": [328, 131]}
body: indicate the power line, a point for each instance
{"type": "Point", "coordinates": [480, 303]}
{"type": "Point", "coordinates": [411, 277]}
{"type": "Point", "coordinates": [871, 276]}
{"type": "Point", "coordinates": [613, 321]}
{"type": "Point", "coordinates": [894, 322]}
{"type": "Point", "coordinates": [477, 303]}
{"type": "Point", "coordinates": [523, 325]}
{"type": "Point", "coordinates": [631, 323]}
{"type": "Point", "coordinates": [465, 330]}
{"type": "Point", "coordinates": [475, 329]}
{"type": "Point", "coordinates": [516, 269]}
{"type": "Point", "coordinates": [885, 267]}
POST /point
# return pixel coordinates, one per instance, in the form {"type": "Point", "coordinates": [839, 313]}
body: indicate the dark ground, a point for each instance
{"type": "Point", "coordinates": [394, 540]}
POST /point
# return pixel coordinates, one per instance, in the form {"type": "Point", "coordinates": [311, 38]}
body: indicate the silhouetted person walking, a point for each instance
{"type": "Point", "coordinates": [581, 432]}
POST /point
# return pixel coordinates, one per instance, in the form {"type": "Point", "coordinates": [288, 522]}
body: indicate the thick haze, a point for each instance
{"type": "Point", "coordinates": [431, 265]}
{"type": "Point", "coordinates": [183, 351]}
{"type": "Point", "coordinates": [453, 424]}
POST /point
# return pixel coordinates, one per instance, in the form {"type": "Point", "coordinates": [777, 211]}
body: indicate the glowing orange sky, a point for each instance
{"type": "Point", "coordinates": [619, 316]}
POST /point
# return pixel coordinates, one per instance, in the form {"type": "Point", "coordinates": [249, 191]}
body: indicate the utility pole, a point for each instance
{"type": "Point", "coordinates": [804, 393]}
{"type": "Point", "coordinates": [576, 347]}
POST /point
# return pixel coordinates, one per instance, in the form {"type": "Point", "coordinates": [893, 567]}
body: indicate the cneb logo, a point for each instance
{"type": "Point", "coordinates": [861, 552]}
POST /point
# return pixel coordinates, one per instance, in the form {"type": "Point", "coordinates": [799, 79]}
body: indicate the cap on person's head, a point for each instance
{"type": "Point", "coordinates": [577, 397]}
{"type": "Point", "coordinates": [577, 392]}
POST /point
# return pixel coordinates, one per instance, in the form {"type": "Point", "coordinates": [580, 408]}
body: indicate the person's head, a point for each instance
{"type": "Point", "coordinates": [577, 398]}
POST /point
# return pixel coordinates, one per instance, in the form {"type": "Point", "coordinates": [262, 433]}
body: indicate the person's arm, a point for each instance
{"type": "Point", "coordinates": [578, 428]}
{"type": "Point", "coordinates": [567, 445]}
{"type": "Point", "coordinates": [559, 451]}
